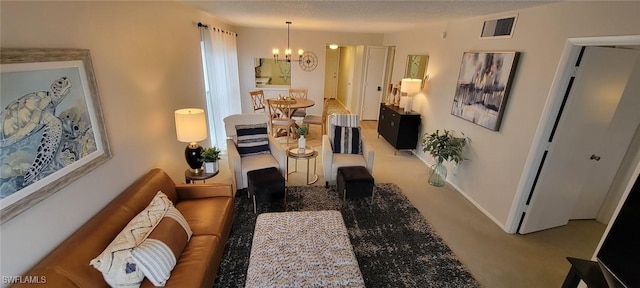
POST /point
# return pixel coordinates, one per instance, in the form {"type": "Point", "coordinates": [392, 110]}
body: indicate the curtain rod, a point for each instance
{"type": "Point", "coordinates": [205, 26]}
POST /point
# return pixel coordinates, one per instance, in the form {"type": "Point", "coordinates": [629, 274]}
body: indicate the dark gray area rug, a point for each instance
{"type": "Point", "coordinates": [393, 243]}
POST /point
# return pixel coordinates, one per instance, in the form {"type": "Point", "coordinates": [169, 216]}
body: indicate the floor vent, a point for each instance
{"type": "Point", "coordinates": [499, 28]}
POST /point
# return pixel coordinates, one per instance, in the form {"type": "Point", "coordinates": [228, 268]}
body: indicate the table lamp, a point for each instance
{"type": "Point", "coordinates": [411, 87]}
{"type": "Point", "coordinates": [191, 126]}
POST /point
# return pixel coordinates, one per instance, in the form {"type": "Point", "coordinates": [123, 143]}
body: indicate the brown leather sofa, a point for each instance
{"type": "Point", "coordinates": [208, 208]}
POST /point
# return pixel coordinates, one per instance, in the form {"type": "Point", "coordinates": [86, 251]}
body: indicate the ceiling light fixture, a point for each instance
{"type": "Point", "coordinates": [333, 46]}
{"type": "Point", "coordinates": [287, 52]}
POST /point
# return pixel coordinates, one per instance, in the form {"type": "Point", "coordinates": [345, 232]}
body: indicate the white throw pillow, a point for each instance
{"type": "Point", "coordinates": [118, 267]}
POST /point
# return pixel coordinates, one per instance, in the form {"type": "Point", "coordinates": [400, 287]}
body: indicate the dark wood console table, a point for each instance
{"type": "Point", "coordinates": [401, 130]}
{"type": "Point", "coordinates": [585, 270]}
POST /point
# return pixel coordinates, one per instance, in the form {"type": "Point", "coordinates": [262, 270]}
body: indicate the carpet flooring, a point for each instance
{"type": "Point", "coordinates": [393, 243]}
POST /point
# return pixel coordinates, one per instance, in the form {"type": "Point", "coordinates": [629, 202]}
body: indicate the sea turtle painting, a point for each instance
{"type": "Point", "coordinates": [32, 113]}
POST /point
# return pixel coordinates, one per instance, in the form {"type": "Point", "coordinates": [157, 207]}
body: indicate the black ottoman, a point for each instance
{"type": "Point", "coordinates": [265, 185]}
{"type": "Point", "coordinates": [354, 182]}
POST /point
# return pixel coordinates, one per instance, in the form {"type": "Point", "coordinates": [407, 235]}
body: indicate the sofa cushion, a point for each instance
{"type": "Point", "coordinates": [252, 139]}
{"type": "Point", "coordinates": [346, 140]}
{"type": "Point", "coordinates": [256, 162]}
{"type": "Point", "coordinates": [210, 216]}
{"type": "Point", "coordinates": [116, 262]}
{"type": "Point", "coordinates": [343, 160]}
{"type": "Point", "coordinates": [157, 255]}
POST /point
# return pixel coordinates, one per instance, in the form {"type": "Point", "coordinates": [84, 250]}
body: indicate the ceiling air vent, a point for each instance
{"type": "Point", "coordinates": [498, 28]}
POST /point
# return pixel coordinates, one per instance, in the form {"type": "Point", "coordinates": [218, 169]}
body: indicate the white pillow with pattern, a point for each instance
{"type": "Point", "coordinates": [116, 263]}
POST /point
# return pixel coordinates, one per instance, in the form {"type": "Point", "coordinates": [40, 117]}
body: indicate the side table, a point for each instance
{"type": "Point", "coordinates": [585, 270]}
{"type": "Point", "coordinates": [308, 154]}
{"type": "Point", "coordinates": [191, 178]}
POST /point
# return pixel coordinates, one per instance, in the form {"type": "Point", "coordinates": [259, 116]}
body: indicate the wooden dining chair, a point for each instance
{"type": "Point", "coordinates": [257, 99]}
{"type": "Point", "coordinates": [319, 119]}
{"type": "Point", "coordinates": [280, 117]}
{"type": "Point", "coordinates": [299, 93]}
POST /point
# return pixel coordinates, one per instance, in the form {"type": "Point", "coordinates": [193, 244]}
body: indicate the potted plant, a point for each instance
{"type": "Point", "coordinates": [210, 157]}
{"type": "Point", "coordinates": [302, 142]}
{"type": "Point", "coordinates": [443, 147]}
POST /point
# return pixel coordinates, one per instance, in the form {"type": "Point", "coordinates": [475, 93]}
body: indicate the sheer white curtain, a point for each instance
{"type": "Point", "coordinates": [220, 65]}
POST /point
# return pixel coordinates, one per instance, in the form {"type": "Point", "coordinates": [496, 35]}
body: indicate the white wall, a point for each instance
{"type": "Point", "coordinates": [497, 159]}
{"type": "Point", "coordinates": [256, 42]}
{"type": "Point", "coordinates": [146, 58]}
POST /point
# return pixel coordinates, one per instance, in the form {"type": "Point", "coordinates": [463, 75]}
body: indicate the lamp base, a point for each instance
{"type": "Point", "coordinates": [192, 155]}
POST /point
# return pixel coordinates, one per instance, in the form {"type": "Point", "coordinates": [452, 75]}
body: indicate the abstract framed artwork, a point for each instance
{"type": "Point", "coordinates": [483, 86]}
{"type": "Point", "coordinates": [51, 125]}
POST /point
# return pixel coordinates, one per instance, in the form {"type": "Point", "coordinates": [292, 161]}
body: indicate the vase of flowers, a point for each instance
{"type": "Point", "coordinates": [210, 157]}
{"type": "Point", "coordinates": [443, 147]}
{"type": "Point", "coordinates": [302, 142]}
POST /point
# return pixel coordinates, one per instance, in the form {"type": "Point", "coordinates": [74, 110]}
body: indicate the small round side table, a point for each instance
{"type": "Point", "coordinates": [191, 178]}
{"type": "Point", "coordinates": [308, 153]}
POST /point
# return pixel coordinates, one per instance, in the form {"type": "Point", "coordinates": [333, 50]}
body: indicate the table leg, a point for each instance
{"type": "Point", "coordinates": [315, 173]}
{"type": "Point", "coordinates": [308, 160]}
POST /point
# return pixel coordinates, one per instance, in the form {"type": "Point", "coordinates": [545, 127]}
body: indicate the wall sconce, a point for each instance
{"type": "Point", "coordinates": [333, 46]}
{"type": "Point", "coordinates": [287, 52]}
{"type": "Point", "coordinates": [191, 127]}
{"type": "Point", "coordinates": [411, 87]}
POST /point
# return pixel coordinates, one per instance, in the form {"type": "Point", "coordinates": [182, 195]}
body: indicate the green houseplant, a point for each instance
{"type": "Point", "coordinates": [302, 130]}
{"type": "Point", "coordinates": [443, 147]}
{"type": "Point", "coordinates": [210, 157]}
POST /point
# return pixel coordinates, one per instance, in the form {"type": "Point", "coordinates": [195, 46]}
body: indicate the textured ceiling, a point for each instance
{"type": "Point", "coordinates": [351, 16]}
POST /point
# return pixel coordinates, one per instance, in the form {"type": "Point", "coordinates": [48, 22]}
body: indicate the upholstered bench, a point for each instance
{"type": "Point", "coordinates": [302, 249]}
{"type": "Point", "coordinates": [265, 185]}
{"type": "Point", "coordinates": [354, 182]}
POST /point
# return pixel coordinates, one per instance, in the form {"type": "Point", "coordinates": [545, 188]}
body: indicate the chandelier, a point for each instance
{"type": "Point", "coordinates": [287, 52]}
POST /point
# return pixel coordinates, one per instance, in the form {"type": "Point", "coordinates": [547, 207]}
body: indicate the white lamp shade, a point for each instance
{"type": "Point", "coordinates": [191, 125]}
{"type": "Point", "coordinates": [410, 86]}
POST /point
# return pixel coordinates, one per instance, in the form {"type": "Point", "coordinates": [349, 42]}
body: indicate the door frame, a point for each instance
{"type": "Point", "coordinates": [564, 72]}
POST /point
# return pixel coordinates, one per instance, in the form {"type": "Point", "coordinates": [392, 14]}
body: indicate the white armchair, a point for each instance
{"type": "Point", "coordinates": [332, 161]}
{"type": "Point", "coordinates": [239, 166]}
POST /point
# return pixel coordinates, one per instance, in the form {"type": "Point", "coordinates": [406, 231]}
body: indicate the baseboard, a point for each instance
{"type": "Point", "coordinates": [484, 211]}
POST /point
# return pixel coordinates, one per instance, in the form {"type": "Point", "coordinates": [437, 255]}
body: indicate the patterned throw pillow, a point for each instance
{"type": "Point", "coordinates": [157, 255]}
{"type": "Point", "coordinates": [252, 139]}
{"type": "Point", "coordinates": [115, 262]}
{"type": "Point", "coordinates": [346, 140]}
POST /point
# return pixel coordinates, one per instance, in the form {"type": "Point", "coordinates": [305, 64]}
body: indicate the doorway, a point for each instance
{"type": "Point", "coordinates": [358, 74]}
{"type": "Point", "coordinates": [331, 72]}
{"type": "Point", "coordinates": [527, 205]}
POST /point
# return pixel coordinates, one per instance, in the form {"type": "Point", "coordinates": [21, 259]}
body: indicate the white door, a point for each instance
{"type": "Point", "coordinates": [583, 127]}
{"type": "Point", "coordinates": [373, 82]}
{"type": "Point", "coordinates": [331, 73]}
{"type": "Point", "coordinates": [619, 134]}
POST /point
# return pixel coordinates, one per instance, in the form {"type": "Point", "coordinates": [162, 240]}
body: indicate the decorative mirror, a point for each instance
{"type": "Point", "coordinates": [272, 73]}
{"type": "Point", "coordinates": [416, 66]}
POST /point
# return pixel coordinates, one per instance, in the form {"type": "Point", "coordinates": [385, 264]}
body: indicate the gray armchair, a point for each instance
{"type": "Point", "coordinates": [332, 161]}
{"type": "Point", "coordinates": [238, 165]}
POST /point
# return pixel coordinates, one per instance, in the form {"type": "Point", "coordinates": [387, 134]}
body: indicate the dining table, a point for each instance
{"type": "Point", "coordinates": [293, 104]}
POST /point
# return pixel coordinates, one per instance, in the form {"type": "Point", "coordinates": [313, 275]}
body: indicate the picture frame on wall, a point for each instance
{"type": "Point", "coordinates": [52, 130]}
{"type": "Point", "coordinates": [483, 86]}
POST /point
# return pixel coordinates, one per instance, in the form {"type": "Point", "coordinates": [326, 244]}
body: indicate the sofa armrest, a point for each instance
{"type": "Point", "coordinates": [278, 153]}
{"type": "Point", "coordinates": [197, 191]}
{"type": "Point", "coordinates": [368, 153]}
{"type": "Point", "coordinates": [235, 165]}
{"type": "Point", "coordinates": [327, 157]}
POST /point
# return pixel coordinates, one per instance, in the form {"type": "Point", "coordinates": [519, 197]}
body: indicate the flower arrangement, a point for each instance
{"type": "Point", "coordinates": [444, 147]}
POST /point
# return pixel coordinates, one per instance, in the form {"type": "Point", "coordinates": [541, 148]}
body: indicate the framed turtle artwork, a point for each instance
{"type": "Point", "coordinates": [51, 125]}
